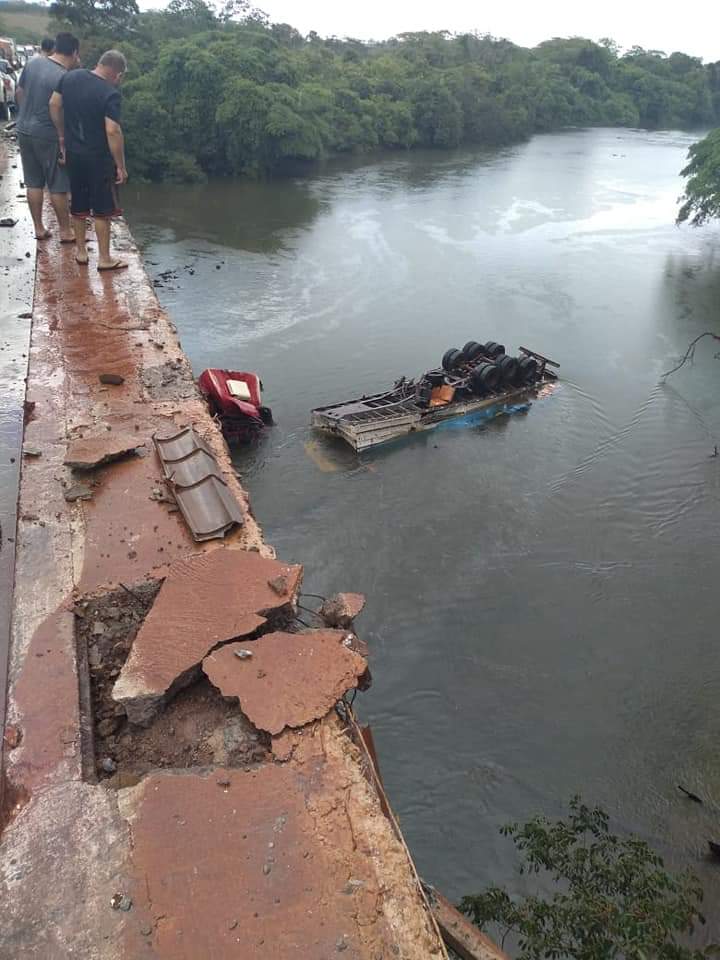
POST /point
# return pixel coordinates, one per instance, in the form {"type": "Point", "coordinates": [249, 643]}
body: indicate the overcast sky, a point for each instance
{"type": "Point", "coordinates": [693, 28]}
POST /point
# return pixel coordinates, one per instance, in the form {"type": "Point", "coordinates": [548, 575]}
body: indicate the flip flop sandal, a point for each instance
{"type": "Point", "coordinates": [118, 265]}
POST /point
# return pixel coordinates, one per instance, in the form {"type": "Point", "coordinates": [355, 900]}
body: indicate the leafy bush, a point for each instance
{"type": "Point", "coordinates": [702, 193]}
{"type": "Point", "coordinates": [615, 898]}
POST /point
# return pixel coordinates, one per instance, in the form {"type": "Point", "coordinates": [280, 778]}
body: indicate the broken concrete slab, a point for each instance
{"type": "Point", "coordinates": [264, 858]}
{"type": "Point", "coordinates": [91, 452]}
{"type": "Point", "coordinates": [205, 599]}
{"type": "Point", "coordinates": [341, 609]}
{"type": "Point", "coordinates": [291, 679]}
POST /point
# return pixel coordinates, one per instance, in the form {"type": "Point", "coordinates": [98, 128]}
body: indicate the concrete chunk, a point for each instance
{"type": "Point", "coordinates": [205, 599]}
{"type": "Point", "coordinates": [292, 678]}
{"type": "Point", "coordinates": [341, 609]}
{"type": "Point", "coordinates": [95, 451]}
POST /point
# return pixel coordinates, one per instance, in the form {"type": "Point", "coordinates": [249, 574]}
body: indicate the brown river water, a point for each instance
{"type": "Point", "coordinates": [542, 588]}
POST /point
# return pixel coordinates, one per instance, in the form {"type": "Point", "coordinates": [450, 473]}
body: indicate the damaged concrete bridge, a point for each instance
{"type": "Point", "coordinates": [182, 774]}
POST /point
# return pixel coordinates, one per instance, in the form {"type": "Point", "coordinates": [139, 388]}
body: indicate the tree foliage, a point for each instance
{"type": "Point", "coordinates": [614, 898]}
{"type": "Point", "coordinates": [236, 95]}
{"type": "Point", "coordinates": [702, 192]}
{"type": "Point", "coordinates": [114, 16]}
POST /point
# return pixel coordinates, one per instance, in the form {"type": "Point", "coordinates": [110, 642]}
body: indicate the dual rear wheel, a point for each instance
{"type": "Point", "coordinates": [511, 371]}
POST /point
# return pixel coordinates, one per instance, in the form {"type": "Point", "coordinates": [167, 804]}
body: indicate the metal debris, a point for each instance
{"type": "Point", "coordinates": [210, 509]}
{"type": "Point", "coordinates": [462, 936]}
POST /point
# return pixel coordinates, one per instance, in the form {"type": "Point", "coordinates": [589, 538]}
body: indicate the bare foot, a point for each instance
{"type": "Point", "coordinates": [112, 265]}
{"type": "Point", "coordinates": [43, 234]}
{"type": "Point", "coordinates": [82, 259]}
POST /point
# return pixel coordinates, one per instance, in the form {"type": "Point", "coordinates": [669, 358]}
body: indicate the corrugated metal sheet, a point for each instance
{"type": "Point", "coordinates": [210, 509]}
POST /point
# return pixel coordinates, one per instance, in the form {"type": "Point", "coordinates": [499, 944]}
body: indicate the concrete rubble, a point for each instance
{"type": "Point", "coordinates": [341, 609]}
{"type": "Point", "coordinates": [92, 452]}
{"type": "Point", "coordinates": [205, 599]}
{"type": "Point", "coordinates": [160, 798]}
{"type": "Point", "coordinates": [290, 679]}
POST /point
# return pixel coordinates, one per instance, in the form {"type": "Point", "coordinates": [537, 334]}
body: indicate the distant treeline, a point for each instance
{"type": "Point", "coordinates": [208, 94]}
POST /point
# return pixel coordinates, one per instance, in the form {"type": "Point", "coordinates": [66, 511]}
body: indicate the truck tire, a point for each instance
{"type": "Point", "coordinates": [472, 350]}
{"type": "Point", "coordinates": [493, 349]}
{"type": "Point", "coordinates": [484, 378]}
{"type": "Point", "coordinates": [451, 359]}
{"type": "Point", "coordinates": [508, 367]}
{"type": "Point", "coordinates": [527, 370]}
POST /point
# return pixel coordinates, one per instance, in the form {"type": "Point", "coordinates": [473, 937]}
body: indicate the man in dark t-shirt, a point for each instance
{"type": "Point", "coordinates": [85, 109]}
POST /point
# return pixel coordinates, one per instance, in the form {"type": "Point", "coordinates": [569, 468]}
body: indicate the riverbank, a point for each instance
{"type": "Point", "coordinates": [201, 832]}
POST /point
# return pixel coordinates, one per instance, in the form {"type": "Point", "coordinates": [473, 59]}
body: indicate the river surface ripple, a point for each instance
{"type": "Point", "coordinates": [542, 589]}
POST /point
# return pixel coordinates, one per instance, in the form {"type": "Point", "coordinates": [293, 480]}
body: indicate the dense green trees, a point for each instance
{"type": "Point", "coordinates": [230, 93]}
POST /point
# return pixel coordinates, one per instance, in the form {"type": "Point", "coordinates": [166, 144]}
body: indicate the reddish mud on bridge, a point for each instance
{"type": "Point", "coordinates": [200, 829]}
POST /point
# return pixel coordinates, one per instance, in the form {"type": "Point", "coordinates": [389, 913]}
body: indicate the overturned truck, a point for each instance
{"type": "Point", "coordinates": [481, 376]}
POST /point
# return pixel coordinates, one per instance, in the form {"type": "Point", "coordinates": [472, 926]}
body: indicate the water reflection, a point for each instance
{"type": "Point", "coordinates": [254, 217]}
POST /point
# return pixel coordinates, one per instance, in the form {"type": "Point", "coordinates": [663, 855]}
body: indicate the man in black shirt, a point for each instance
{"type": "Point", "coordinates": [85, 109]}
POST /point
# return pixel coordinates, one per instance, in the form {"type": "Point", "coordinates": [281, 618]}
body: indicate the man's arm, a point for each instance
{"type": "Point", "coordinates": [58, 118]}
{"type": "Point", "coordinates": [116, 142]}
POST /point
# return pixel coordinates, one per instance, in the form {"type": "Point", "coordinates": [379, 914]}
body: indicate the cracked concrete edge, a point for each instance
{"type": "Point", "coordinates": [405, 905]}
{"type": "Point", "coordinates": [372, 774]}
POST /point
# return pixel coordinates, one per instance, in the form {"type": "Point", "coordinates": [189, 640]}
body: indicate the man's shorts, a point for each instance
{"type": "Point", "coordinates": [40, 164]}
{"type": "Point", "coordinates": [92, 186]}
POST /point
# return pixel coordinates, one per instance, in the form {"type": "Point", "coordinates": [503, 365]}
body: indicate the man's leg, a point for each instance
{"type": "Point", "coordinates": [76, 167]}
{"type": "Point", "coordinates": [34, 177]}
{"type": "Point", "coordinates": [35, 196]}
{"type": "Point", "coordinates": [58, 182]}
{"type": "Point", "coordinates": [105, 206]}
{"type": "Point", "coordinates": [102, 232]}
{"type": "Point", "coordinates": [79, 225]}
{"type": "Point", "coordinates": [61, 207]}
